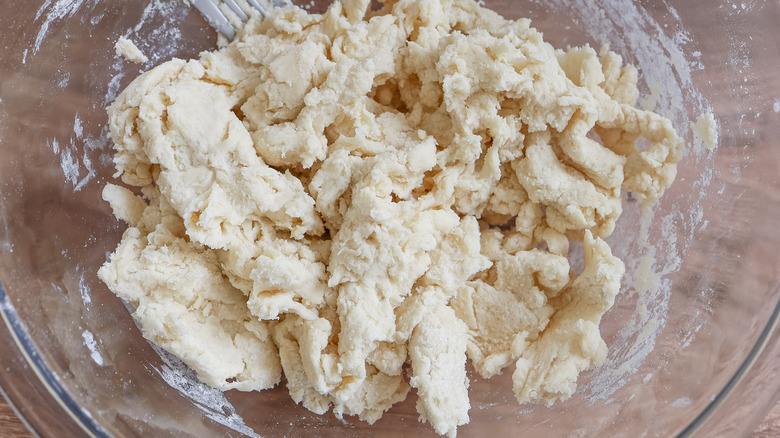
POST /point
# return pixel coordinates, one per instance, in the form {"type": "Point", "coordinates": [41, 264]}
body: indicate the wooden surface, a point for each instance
{"type": "Point", "coordinates": [11, 427]}
{"type": "Point", "coordinates": [770, 427]}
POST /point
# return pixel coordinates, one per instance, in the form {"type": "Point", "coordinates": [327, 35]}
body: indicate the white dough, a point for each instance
{"type": "Point", "coordinates": [128, 50]}
{"type": "Point", "coordinates": [706, 130]}
{"type": "Point", "coordinates": [333, 196]}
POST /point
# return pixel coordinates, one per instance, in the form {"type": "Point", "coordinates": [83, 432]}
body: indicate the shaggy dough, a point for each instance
{"type": "Point", "coordinates": [335, 196]}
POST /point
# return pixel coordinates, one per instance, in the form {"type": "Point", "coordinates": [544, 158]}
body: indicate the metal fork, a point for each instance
{"type": "Point", "coordinates": [217, 19]}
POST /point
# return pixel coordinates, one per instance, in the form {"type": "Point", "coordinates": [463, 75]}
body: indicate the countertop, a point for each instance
{"type": "Point", "coordinates": [11, 427]}
{"type": "Point", "coordinates": [770, 427]}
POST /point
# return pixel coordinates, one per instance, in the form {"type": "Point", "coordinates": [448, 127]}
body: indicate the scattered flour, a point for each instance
{"type": "Point", "coordinates": [682, 402]}
{"type": "Point", "coordinates": [59, 10]}
{"type": "Point", "coordinates": [89, 341]}
{"type": "Point", "coordinates": [84, 289]}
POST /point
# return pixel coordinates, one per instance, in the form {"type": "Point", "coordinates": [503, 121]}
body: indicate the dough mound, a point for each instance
{"type": "Point", "coordinates": [364, 200]}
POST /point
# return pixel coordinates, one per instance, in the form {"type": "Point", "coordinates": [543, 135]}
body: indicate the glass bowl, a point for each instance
{"type": "Point", "coordinates": [693, 335]}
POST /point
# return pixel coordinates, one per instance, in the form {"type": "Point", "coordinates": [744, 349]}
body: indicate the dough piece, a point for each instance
{"type": "Point", "coordinates": [186, 306]}
{"type": "Point", "coordinates": [128, 50]}
{"type": "Point", "coordinates": [513, 306]}
{"type": "Point", "coordinates": [547, 369]}
{"type": "Point", "coordinates": [351, 196]}
{"type": "Point", "coordinates": [437, 350]}
{"type": "Point", "coordinates": [124, 203]}
{"type": "Point", "coordinates": [311, 367]}
{"type": "Point", "coordinates": [706, 130]}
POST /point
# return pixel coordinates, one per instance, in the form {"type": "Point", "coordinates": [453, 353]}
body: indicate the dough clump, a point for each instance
{"type": "Point", "coordinates": [364, 200]}
{"type": "Point", "coordinates": [128, 50]}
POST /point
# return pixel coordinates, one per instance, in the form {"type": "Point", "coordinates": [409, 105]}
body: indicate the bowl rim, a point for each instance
{"type": "Point", "coordinates": [15, 328]}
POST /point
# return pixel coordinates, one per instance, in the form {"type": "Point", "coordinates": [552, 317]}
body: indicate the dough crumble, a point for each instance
{"type": "Point", "coordinates": [128, 50]}
{"type": "Point", "coordinates": [706, 130]}
{"type": "Point", "coordinates": [332, 197]}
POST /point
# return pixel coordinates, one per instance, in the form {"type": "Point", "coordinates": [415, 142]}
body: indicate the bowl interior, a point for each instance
{"type": "Point", "coordinates": [703, 271]}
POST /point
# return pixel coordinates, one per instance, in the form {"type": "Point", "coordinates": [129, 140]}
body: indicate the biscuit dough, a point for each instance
{"type": "Point", "coordinates": [128, 50]}
{"type": "Point", "coordinates": [353, 197]}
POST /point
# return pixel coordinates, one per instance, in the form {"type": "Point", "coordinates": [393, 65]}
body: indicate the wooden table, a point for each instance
{"type": "Point", "coordinates": [11, 427]}
{"type": "Point", "coordinates": [770, 428]}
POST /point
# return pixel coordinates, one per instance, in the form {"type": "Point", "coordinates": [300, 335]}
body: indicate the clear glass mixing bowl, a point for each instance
{"type": "Point", "coordinates": [693, 349]}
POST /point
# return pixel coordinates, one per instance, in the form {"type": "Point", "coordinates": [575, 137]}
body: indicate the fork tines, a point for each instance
{"type": "Point", "coordinates": [215, 12]}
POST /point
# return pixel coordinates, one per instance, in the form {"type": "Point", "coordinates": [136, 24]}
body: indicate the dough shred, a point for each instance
{"type": "Point", "coordinates": [363, 201]}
